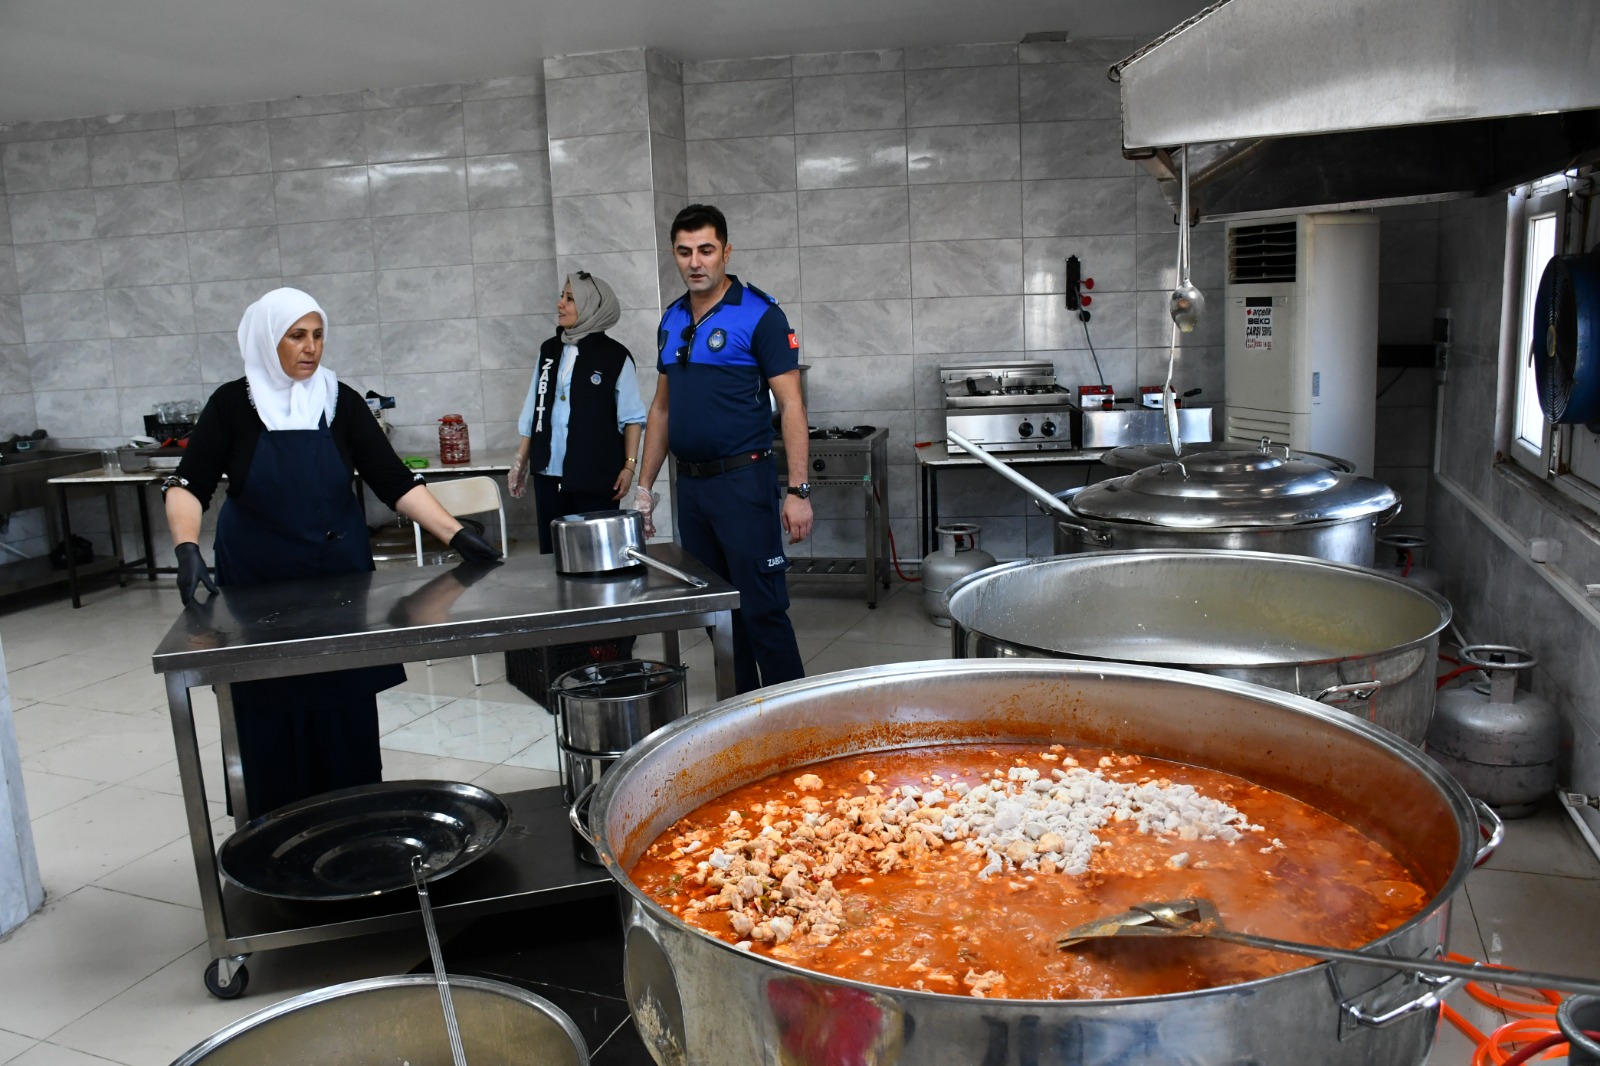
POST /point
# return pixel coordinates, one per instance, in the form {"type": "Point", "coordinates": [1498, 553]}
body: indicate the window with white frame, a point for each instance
{"type": "Point", "coordinates": [1543, 226]}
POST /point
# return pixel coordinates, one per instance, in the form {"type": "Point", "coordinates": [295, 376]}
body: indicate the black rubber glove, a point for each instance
{"type": "Point", "coordinates": [192, 572]}
{"type": "Point", "coordinates": [473, 547]}
{"type": "Point", "coordinates": [469, 571]}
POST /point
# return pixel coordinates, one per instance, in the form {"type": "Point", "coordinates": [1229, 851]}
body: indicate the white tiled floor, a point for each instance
{"type": "Point", "coordinates": [109, 970]}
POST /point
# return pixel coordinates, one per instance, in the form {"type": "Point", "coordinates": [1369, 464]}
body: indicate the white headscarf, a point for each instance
{"type": "Point", "coordinates": [281, 401]}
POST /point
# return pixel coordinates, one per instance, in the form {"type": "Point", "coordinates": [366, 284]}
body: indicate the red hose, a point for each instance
{"type": "Point", "coordinates": [1450, 659]}
{"type": "Point", "coordinates": [1452, 675]}
{"type": "Point", "coordinates": [1410, 558]}
{"type": "Point", "coordinates": [894, 552]}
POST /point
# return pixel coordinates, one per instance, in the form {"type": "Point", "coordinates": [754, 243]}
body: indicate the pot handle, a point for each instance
{"type": "Point", "coordinates": [1099, 536]}
{"type": "Point", "coordinates": [1391, 514]}
{"type": "Point", "coordinates": [578, 814]}
{"type": "Point", "coordinates": [1491, 827]}
{"type": "Point", "coordinates": [656, 564]}
{"type": "Point", "coordinates": [1357, 690]}
{"type": "Point", "coordinates": [1434, 991]}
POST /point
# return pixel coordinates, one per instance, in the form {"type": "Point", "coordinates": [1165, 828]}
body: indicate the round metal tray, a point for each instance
{"type": "Point", "coordinates": [358, 842]}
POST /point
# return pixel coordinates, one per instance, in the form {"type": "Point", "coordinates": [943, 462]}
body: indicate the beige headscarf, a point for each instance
{"type": "Point", "coordinates": [598, 309]}
{"type": "Point", "coordinates": [280, 400]}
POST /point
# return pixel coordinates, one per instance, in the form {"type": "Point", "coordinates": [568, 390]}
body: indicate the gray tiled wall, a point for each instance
{"type": "Point", "coordinates": [1500, 597]}
{"type": "Point", "coordinates": [912, 208]}
{"type": "Point", "coordinates": [1408, 258]}
{"type": "Point", "coordinates": [419, 217]}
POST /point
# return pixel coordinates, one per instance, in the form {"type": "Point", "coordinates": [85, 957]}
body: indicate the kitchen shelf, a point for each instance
{"type": "Point", "coordinates": [25, 574]}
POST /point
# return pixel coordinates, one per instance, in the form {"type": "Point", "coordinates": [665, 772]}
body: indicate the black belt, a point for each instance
{"type": "Point", "coordinates": [721, 466]}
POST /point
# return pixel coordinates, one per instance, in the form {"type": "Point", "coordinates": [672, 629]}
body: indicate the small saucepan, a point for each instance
{"type": "Point", "coordinates": [601, 542]}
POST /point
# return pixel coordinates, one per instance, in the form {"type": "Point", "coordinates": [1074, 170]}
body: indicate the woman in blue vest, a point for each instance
{"type": "Point", "coordinates": [290, 438]}
{"type": "Point", "coordinates": [583, 417]}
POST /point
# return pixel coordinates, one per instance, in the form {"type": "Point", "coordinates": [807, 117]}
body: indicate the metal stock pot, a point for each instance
{"type": "Point", "coordinates": [1249, 502]}
{"type": "Point", "coordinates": [1357, 639]}
{"type": "Point", "coordinates": [1132, 457]}
{"type": "Point", "coordinates": [697, 1000]}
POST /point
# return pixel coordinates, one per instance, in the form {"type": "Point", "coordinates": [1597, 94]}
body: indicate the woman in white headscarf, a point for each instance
{"type": "Point", "coordinates": [291, 440]}
{"type": "Point", "coordinates": [583, 417]}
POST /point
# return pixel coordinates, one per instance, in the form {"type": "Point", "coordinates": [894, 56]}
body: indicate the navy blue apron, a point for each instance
{"type": "Point", "coordinates": [297, 517]}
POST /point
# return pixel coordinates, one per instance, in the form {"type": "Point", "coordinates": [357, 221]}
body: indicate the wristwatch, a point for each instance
{"type": "Point", "coordinates": [802, 490]}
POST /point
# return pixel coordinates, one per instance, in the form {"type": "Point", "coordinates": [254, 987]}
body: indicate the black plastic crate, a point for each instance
{"type": "Point", "coordinates": [531, 670]}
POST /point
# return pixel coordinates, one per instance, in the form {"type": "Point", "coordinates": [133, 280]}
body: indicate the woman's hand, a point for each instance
{"type": "Point", "coordinates": [619, 487]}
{"type": "Point", "coordinates": [473, 547]}
{"type": "Point", "coordinates": [192, 571]}
{"type": "Point", "coordinates": [517, 479]}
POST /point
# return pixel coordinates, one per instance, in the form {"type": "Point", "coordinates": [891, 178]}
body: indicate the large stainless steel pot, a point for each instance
{"type": "Point", "coordinates": [1132, 457]}
{"type": "Point", "coordinates": [697, 1000]}
{"type": "Point", "coordinates": [1358, 639]}
{"type": "Point", "coordinates": [396, 1020]}
{"type": "Point", "coordinates": [1250, 502]}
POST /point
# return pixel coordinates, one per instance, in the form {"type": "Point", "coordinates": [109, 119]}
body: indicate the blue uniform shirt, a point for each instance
{"type": "Point", "coordinates": [718, 401]}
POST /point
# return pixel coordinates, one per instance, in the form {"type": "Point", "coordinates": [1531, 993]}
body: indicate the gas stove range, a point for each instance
{"type": "Point", "coordinates": [1010, 406]}
{"type": "Point", "coordinates": [844, 454]}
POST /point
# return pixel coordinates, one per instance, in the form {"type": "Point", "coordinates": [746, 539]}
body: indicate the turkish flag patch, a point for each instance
{"type": "Point", "coordinates": [794, 342]}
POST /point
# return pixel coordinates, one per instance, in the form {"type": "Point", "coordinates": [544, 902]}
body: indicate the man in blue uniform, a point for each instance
{"type": "Point", "coordinates": [726, 354]}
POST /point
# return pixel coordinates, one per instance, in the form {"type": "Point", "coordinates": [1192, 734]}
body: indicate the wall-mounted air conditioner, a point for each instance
{"type": "Point", "coordinates": [1302, 333]}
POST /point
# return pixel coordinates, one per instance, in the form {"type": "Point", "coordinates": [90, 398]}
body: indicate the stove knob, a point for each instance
{"type": "Point", "coordinates": [1048, 429]}
{"type": "Point", "coordinates": [1025, 430]}
{"type": "Point", "coordinates": [819, 465]}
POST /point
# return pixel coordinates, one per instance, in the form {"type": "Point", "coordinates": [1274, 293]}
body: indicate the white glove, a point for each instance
{"type": "Point", "coordinates": [517, 480]}
{"type": "Point", "coordinates": [644, 501]}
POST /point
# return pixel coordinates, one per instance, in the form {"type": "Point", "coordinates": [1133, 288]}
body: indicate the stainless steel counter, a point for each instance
{"type": "Point", "coordinates": [408, 615]}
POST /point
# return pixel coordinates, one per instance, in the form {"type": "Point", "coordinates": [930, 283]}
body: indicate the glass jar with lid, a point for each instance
{"type": "Point", "coordinates": [455, 446]}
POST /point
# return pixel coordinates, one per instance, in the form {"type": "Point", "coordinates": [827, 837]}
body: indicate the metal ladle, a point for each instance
{"type": "Point", "coordinates": [1186, 302]}
{"type": "Point", "coordinates": [1198, 917]}
{"type": "Point", "coordinates": [452, 1028]}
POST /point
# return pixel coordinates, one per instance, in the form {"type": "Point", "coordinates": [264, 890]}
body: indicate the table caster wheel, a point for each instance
{"type": "Point", "coordinates": [233, 989]}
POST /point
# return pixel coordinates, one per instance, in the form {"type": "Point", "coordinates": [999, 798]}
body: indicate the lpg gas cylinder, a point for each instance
{"type": "Point", "coordinates": [1500, 743]}
{"type": "Point", "coordinates": [1401, 554]}
{"type": "Point", "coordinates": [958, 556]}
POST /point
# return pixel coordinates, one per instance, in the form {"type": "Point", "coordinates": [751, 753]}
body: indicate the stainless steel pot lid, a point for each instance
{"type": "Point", "coordinates": [359, 841]}
{"type": "Point", "coordinates": [1131, 457]}
{"type": "Point", "coordinates": [1210, 490]}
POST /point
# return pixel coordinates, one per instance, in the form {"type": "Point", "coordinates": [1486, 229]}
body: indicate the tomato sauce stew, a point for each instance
{"type": "Point", "coordinates": [953, 869]}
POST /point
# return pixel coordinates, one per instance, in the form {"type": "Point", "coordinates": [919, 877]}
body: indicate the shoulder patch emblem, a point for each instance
{"type": "Point", "coordinates": [661, 338]}
{"type": "Point", "coordinates": [794, 342]}
{"type": "Point", "coordinates": [717, 340]}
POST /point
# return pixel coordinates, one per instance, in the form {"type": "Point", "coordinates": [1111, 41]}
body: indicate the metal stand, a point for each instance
{"type": "Point", "coordinates": [408, 615]}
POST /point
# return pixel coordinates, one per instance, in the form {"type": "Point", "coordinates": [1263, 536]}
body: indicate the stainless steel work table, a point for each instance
{"type": "Point", "coordinates": [398, 616]}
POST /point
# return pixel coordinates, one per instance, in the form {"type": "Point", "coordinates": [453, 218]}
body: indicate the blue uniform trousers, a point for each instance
{"type": "Point", "coordinates": [732, 523]}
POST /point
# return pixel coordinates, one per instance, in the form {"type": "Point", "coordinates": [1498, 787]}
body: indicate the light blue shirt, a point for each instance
{"type": "Point", "coordinates": [630, 407]}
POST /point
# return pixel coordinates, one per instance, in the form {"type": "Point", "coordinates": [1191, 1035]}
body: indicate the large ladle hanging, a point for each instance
{"type": "Point", "coordinates": [1186, 302]}
{"type": "Point", "coordinates": [1184, 305]}
{"type": "Point", "coordinates": [1199, 918]}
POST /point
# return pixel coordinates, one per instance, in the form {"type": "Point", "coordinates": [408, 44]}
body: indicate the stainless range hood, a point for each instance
{"type": "Point", "coordinates": [1298, 105]}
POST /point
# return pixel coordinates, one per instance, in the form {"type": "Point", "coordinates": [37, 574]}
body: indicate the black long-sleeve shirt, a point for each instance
{"type": "Point", "coordinates": [224, 442]}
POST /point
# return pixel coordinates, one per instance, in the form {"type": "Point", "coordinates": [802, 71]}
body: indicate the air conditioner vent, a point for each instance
{"type": "Point", "coordinates": [1261, 253]}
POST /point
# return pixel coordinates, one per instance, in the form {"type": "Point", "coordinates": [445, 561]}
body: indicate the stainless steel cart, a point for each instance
{"type": "Point", "coordinates": [397, 616]}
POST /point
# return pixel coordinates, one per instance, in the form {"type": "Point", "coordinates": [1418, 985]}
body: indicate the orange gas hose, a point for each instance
{"type": "Point", "coordinates": [1531, 1032]}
